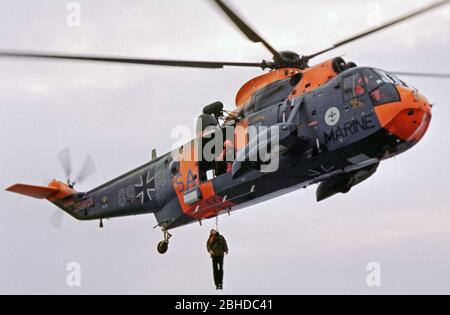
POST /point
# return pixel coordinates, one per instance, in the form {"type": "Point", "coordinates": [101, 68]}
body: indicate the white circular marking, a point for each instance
{"type": "Point", "coordinates": [332, 116]}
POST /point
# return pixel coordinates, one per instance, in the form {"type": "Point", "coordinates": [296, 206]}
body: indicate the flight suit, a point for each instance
{"type": "Point", "coordinates": [218, 245]}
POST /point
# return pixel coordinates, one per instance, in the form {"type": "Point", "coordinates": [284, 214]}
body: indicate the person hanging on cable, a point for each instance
{"type": "Point", "coordinates": [217, 247]}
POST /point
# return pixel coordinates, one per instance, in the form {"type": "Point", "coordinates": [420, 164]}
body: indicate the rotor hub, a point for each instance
{"type": "Point", "coordinates": [286, 59]}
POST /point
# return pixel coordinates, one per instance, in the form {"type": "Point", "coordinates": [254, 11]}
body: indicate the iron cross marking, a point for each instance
{"type": "Point", "coordinates": [145, 187]}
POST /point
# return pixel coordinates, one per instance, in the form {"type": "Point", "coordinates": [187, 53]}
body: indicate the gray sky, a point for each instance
{"type": "Point", "coordinates": [399, 218]}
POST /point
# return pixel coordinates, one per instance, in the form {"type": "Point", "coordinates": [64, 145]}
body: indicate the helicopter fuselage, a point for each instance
{"type": "Point", "coordinates": [341, 129]}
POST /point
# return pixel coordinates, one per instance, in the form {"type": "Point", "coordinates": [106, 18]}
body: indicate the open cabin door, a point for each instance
{"type": "Point", "coordinates": [194, 190]}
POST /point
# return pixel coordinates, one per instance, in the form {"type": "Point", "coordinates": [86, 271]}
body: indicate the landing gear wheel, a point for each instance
{"type": "Point", "coordinates": [163, 246]}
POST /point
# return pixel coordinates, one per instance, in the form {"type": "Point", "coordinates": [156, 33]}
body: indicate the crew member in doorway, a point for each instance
{"type": "Point", "coordinates": [226, 157]}
{"type": "Point", "coordinates": [217, 248]}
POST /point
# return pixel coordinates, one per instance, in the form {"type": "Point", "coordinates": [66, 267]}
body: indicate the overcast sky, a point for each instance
{"type": "Point", "coordinates": [399, 218]}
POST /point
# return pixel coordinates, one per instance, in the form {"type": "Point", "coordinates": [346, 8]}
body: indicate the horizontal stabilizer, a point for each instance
{"type": "Point", "coordinates": [40, 192]}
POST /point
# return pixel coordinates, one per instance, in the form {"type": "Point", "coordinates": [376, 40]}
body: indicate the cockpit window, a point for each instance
{"type": "Point", "coordinates": [376, 83]}
{"type": "Point", "coordinates": [397, 80]}
{"type": "Point", "coordinates": [386, 93]}
{"type": "Point", "coordinates": [383, 75]}
{"type": "Point", "coordinates": [371, 79]}
{"type": "Point", "coordinates": [358, 83]}
{"type": "Point", "coordinates": [390, 78]}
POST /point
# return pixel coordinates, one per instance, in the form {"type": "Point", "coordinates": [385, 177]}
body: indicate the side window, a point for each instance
{"type": "Point", "coordinates": [354, 90]}
{"type": "Point", "coordinates": [348, 88]}
{"type": "Point", "coordinates": [371, 79]}
{"type": "Point", "coordinates": [353, 86]}
{"type": "Point", "coordinates": [270, 95]}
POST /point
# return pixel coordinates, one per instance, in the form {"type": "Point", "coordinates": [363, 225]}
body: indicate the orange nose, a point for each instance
{"type": "Point", "coordinates": [408, 119]}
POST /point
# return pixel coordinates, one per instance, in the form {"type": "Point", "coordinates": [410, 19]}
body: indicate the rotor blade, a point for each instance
{"type": "Point", "coordinates": [86, 170]}
{"type": "Point", "coordinates": [246, 29]}
{"type": "Point", "coordinates": [65, 161]}
{"type": "Point", "coordinates": [56, 219]}
{"type": "Point", "coordinates": [138, 61]}
{"type": "Point", "coordinates": [379, 28]}
{"type": "Point", "coordinates": [422, 74]}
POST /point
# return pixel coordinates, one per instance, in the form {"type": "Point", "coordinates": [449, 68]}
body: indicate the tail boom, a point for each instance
{"type": "Point", "coordinates": [56, 190]}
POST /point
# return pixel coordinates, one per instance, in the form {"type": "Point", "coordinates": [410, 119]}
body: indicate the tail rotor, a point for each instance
{"type": "Point", "coordinates": [87, 169]}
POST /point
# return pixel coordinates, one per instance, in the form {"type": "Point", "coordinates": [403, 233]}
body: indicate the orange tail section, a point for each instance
{"type": "Point", "coordinates": [39, 192]}
{"type": "Point", "coordinates": [54, 191]}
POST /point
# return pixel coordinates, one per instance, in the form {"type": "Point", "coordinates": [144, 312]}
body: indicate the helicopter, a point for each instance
{"type": "Point", "coordinates": [330, 124]}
